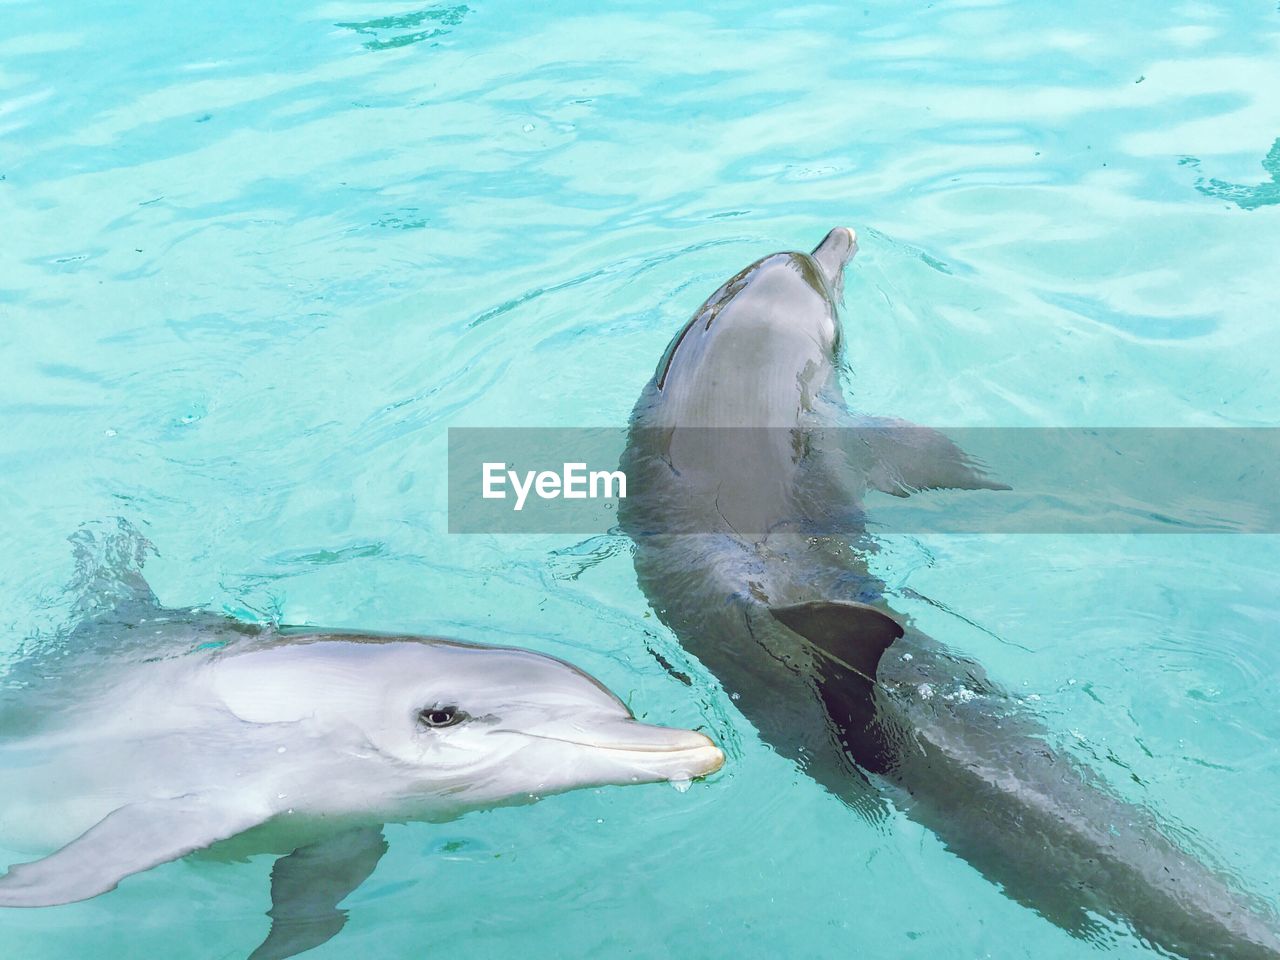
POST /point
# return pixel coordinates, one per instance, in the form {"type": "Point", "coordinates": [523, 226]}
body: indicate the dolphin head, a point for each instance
{"type": "Point", "coordinates": [753, 365]}
{"type": "Point", "coordinates": [448, 726]}
{"type": "Point", "coordinates": [493, 723]}
{"type": "Point", "coordinates": [761, 347]}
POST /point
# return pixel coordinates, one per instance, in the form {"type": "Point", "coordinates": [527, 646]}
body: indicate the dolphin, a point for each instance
{"type": "Point", "coordinates": [747, 473]}
{"type": "Point", "coordinates": [201, 731]}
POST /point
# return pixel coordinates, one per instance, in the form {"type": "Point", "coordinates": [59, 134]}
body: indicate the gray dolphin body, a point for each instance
{"type": "Point", "coordinates": [742, 461]}
{"type": "Point", "coordinates": [201, 731]}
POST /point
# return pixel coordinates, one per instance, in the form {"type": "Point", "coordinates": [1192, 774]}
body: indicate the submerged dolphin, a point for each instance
{"type": "Point", "coordinates": [304, 742]}
{"type": "Point", "coordinates": [746, 473]}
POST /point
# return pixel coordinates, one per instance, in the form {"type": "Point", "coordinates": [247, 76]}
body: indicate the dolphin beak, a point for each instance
{"type": "Point", "coordinates": [641, 751]}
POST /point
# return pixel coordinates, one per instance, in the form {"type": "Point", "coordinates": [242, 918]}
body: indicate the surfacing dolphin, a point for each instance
{"type": "Point", "coordinates": [292, 741]}
{"type": "Point", "coordinates": [746, 473]}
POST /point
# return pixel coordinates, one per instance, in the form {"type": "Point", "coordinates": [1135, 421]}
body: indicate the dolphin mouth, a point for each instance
{"type": "Point", "coordinates": [686, 753]}
{"type": "Point", "coordinates": [694, 761]}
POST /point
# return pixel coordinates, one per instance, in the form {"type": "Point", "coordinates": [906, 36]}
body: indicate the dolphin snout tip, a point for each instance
{"type": "Point", "coordinates": [690, 755]}
{"type": "Point", "coordinates": [715, 760]}
{"type": "Point", "coordinates": [709, 758]}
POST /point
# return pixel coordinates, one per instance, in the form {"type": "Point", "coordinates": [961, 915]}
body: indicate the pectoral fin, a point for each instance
{"type": "Point", "coordinates": [127, 841]}
{"type": "Point", "coordinates": [308, 885]}
{"type": "Point", "coordinates": [901, 458]}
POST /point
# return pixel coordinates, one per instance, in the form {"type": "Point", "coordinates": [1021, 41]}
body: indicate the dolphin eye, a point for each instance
{"type": "Point", "coordinates": [440, 716]}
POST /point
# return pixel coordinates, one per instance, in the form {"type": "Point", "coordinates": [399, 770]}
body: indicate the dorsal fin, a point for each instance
{"type": "Point", "coordinates": [108, 582]}
{"type": "Point", "coordinates": [853, 635]}
{"type": "Point", "coordinates": [836, 249]}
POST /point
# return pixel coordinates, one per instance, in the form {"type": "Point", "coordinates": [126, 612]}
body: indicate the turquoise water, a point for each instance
{"type": "Point", "coordinates": [255, 261]}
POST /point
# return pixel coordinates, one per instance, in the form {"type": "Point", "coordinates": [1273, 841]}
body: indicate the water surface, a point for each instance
{"type": "Point", "coordinates": [255, 260]}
